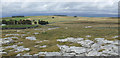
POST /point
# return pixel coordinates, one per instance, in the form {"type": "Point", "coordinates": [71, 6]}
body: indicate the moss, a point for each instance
{"type": "Point", "coordinates": [14, 38]}
{"type": "Point", "coordinates": [118, 38]}
{"type": "Point", "coordinates": [44, 32]}
{"type": "Point", "coordinates": [61, 37]}
{"type": "Point", "coordinates": [9, 48]}
{"type": "Point", "coordinates": [101, 50]}
{"type": "Point", "coordinates": [20, 44]}
{"type": "Point", "coordinates": [111, 39]}
{"type": "Point", "coordinates": [33, 52]}
{"type": "Point", "coordinates": [70, 44]}
{"type": "Point", "coordinates": [54, 48]}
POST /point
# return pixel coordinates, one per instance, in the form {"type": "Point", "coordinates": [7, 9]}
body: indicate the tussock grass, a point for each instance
{"type": "Point", "coordinates": [75, 28]}
{"type": "Point", "coordinates": [54, 48]}
{"type": "Point", "coordinates": [70, 44]}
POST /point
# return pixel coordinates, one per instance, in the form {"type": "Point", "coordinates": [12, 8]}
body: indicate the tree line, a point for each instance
{"type": "Point", "coordinates": [23, 22]}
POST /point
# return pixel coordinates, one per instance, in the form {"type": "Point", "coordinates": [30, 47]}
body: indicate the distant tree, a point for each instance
{"type": "Point", "coordinates": [29, 22]}
{"type": "Point", "coordinates": [11, 22]}
{"type": "Point", "coordinates": [23, 21]}
{"type": "Point", "coordinates": [39, 22]}
{"type": "Point", "coordinates": [53, 17]}
{"type": "Point", "coordinates": [16, 21]}
{"type": "Point", "coordinates": [35, 22]}
{"type": "Point", "coordinates": [42, 22]}
{"type": "Point", "coordinates": [75, 16]}
{"type": "Point", "coordinates": [20, 21]}
{"type": "Point", "coordinates": [47, 22]}
{"type": "Point", "coordinates": [4, 22]}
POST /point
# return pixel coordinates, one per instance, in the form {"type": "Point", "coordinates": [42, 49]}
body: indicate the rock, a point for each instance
{"type": "Point", "coordinates": [45, 40]}
{"type": "Point", "coordinates": [36, 45]}
{"type": "Point", "coordinates": [67, 54]}
{"type": "Point", "coordinates": [38, 41]}
{"type": "Point", "coordinates": [66, 27]}
{"type": "Point", "coordinates": [27, 54]}
{"type": "Point", "coordinates": [62, 40]}
{"type": "Point", "coordinates": [38, 29]}
{"type": "Point", "coordinates": [53, 54]}
{"type": "Point", "coordinates": [100, 40]}
{"type": "Point", "coordinates": [110, 52]}
{"type": "Point", "coordinates": [70, 39]}
{"type": "Point", "coordinates": [53, 28]}
{"type": "Point", "coordinates": [13, 46]}
{"type": "Point", "coordinates": [42, 46]}
{"type": "Point", "coordinates": [20, 42]}
{"type": "Point", "coordinates": [88, 36]}
{"type": "Point", "coordinates": [18, 30]}
{"type": "Point", "coordinates": [77, 50]}
{"type": "Point", "coordinates": [106, 41]}
{"type": "Point", "coordinates": [12, 34]}
{"type": "Point", "coordinates": [21, 49]}
{"type": "Point", "coordinates": [36, 33]}
{"type": "Point", "coordinates": [3, 52]}
{"type": "Point", "coordinates": [31, 38]}
{"type": "Point", "coordinates": [88, 26]}
{"type": "Point", "coordinates": [115, 37]}
{"type": "Point", "coordinates": [79, 39]}
{"type": "Point", "coordinates": [86, 43]}
{"type": "Point", "coordinates": [94, 53]}
{"type": "Point", "coordinates": [72, 54]}
{"type": "Point", "coordinates": [18, 55]}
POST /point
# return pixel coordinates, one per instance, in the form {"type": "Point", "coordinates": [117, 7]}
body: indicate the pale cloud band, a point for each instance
{"type": "Point", "coordinates": [16, 7]}
{"type": "Point", "coordinates": [60, 1]}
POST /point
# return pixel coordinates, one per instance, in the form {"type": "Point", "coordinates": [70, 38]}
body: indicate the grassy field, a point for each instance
{"type": "Point", "coordinates": [68, 27]}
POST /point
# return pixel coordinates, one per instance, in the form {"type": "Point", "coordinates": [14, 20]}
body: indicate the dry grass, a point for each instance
{"type": "Point", "coordinates": [75, 28]}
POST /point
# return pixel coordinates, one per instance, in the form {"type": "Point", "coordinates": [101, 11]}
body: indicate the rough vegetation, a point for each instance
{"type": "Point", "coordinates": [61, 27]}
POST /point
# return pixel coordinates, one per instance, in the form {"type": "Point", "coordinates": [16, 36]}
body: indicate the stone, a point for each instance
{"type": "Point", "coordinates": [115, 37]}
{"type": "Point", "coordinates": [86, 43]}
{"type": "Point", "coordinates": [18, 30]}
{"type": "Point", "coordinates": [27, 54]}
{"type": "Point", "coordinates": [88, 36]}
{"type": "Point", "coordinates": [31, 38]}
{"type": "Point", "coordinates": [13, 46]}
{"type": "Point", "coordinates": [94, 53]}
{"type": "Point", "coordinates": [88, 26]}
{"type": "Point", "coordinates": [80, 39]}
{"type": "Point", "coordinates": [62, 40]}
{"type": "Point", "coordinates": [18, 55]}
{"type": "Point", "coordinates": [38, 29]}
{"type": "Point", "coordinates": [45, 40]}
{"type": "Point", "coordinates": [36, 33]}
{"type": "Point", "coordinates": [53, 54]}
{"type": "Point", "coordinates": [12, 34]}
{"type": "Point", "coordinates": [38, 41]}
{"type": "Point", "coordinates": [53, 28]}
{"type": "Point", "coordinates": [42, 46]}
{"type": "Point", "coordinates": [66, 27]}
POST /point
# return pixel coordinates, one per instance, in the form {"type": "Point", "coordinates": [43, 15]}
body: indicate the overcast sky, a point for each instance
{"type": "Point", "coordinates": [39, 7]}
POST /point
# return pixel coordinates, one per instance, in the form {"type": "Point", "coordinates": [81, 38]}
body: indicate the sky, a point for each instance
{"type": "Point", "coordinates": [86, 8]}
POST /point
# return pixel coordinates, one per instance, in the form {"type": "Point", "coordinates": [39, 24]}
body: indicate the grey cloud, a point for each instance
{"type": "Point", "coordinates": [58, 7]}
